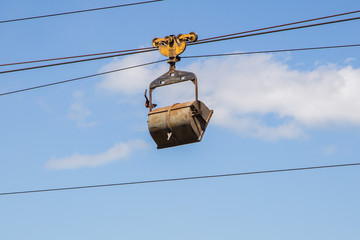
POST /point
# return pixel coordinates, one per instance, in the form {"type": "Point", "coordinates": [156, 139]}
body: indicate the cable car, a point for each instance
{"type": "Point", "coordinates": [179, 123]}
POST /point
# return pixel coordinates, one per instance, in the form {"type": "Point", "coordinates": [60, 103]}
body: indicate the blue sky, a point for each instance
{"type": "Point", "coordinates": [271, 111]}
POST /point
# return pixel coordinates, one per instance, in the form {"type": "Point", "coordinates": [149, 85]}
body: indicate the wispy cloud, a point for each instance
{"type": "Point", "coordinates": [78, 112]}
{"type": "Point", "coordinates": [119, 151]}
{"type": "Point", "coordinates": [245, 90]}
{"type": "Point", "coordinates": [329, 150]}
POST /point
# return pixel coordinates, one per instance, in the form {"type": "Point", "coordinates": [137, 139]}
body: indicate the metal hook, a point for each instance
{"type": "Point", "coordinates": [147, 103]}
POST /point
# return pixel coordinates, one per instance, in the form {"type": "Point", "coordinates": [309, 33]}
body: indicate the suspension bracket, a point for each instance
{"type": "Point", "coordinates": [172, 46]}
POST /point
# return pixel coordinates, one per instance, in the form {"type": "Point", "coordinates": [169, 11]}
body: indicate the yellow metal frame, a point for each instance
{"type": "Point", "coordinates": [172, 46]}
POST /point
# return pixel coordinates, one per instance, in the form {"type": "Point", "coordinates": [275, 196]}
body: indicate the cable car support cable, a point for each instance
{"type": "Point", "coordinates": [136, 50]}
{"type": "Point", "coordinates": [201, 41]}
{"type": "Point", "coordinates": [273, 31]}
{"type": "Point", "coordinates": [79, 78]}
{"type": "Point", "coordinates": [198, 56]}
{"type": "Point", "coordinates": [282, 25]}
{"type": "Point", "coordinates": [75, 61]}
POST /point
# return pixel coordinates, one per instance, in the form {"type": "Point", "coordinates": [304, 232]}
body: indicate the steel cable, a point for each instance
{"type": "Point", "coordinates": [274, 31]}
{"type": "Point", "coordinates": [206, 40]}
{"type": "Point", "coordinates": [79, 78]}
{"type": "Point", "coordinates": [272, 51]}
{"type": "Point", "coordinates": [79, 11]}
{"type": "Point", "coordinates": [282, 25]}
{"type": "Point", "coordinates": [77, 56]}
{"type": "Point", "coordinates": [75, 61]}
{"type": "Point", "coordinates": [180, 179]}
{"type": "Point", "coordinates": [198, 56]}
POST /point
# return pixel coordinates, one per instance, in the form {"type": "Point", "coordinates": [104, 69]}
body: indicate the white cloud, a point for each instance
{"type": "Point", "coordinates": [78, 112]}
{"type": "Point", "coordinates": [117, 152]}
{"type": "Point", "coordinates": [245, 90]}
{"type": "Point", "coordinates": [131, 81]}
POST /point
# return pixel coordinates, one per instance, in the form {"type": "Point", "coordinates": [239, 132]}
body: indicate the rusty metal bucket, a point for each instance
{"type": "Point", "coordinates": [180, 123]}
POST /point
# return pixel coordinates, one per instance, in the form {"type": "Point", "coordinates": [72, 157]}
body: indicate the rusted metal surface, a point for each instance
{"type": "Point", "coordinates": [172, 46]}
{"type": "Point", "coordinates": [178, 124]}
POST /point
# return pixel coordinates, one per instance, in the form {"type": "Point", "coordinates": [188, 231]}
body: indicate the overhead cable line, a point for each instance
{"type": "Point", "coordinates": [272, 51]}
{"type": "Point", "coordinates": [282, 25]}
{"type": "Point", "coordinates": [181, 179]}
{"type": "Point", "coordinates": [198, 56]}
{"type": "Point", "coordinates": [76, 61]}
{"type": "Point", "coordinates": [273, 31]}
{"type": "Point", "coordinates": [205, 40]}
{"type": "Point", "coordinates": [76, 56]}
{"type": "Point", "coordinates": [195, 43]}
{"type": "Point", "coordinates": [80, 78]}
{"type": "Point", "coordinates": [78, 11]}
